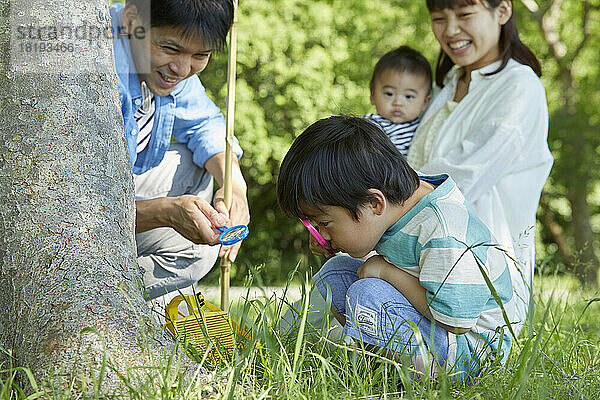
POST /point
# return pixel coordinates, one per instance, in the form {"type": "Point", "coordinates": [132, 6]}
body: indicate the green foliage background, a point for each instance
{"type": "Point", "coordinates": [299, 61]}
{"type": "Point", "coordinates": [302, 60]}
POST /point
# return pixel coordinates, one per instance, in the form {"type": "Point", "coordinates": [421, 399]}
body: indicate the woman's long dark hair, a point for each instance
{"type": "Point", "coordinates": [510, 44]}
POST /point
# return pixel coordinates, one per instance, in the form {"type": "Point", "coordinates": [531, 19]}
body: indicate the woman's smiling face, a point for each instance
{"type": "Point", "coordinates": [470, 34]}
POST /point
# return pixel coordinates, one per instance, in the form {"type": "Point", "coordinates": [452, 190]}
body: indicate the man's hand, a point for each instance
{"type": "Point", "coordinates": [239, 215]}
{"type": "Point", "coordinates": [195, 219]}
{"type": "Point", "coordinates": [191, 216]}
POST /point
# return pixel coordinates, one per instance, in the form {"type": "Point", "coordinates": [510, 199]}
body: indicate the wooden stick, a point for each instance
{"type": "Point", "coordinates": [231, 75]}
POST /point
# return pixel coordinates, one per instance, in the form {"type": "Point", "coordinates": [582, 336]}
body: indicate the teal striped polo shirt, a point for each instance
{"type": "Point", "coordinates": [455, 257]}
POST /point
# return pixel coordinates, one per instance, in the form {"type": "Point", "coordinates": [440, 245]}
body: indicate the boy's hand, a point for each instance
{"type": "Point", "coordinates": [319, 250]}
{"type": "Point", "coordinates": [373, 268]}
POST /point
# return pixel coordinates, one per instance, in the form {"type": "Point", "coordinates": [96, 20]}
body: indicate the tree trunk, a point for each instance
{"type": "Point", "coordinates": [586, 262]}
{"type": "Point", "coordinates": [548, 219]}
{"type": "Point", "coordinates": [67, 246]}
{"type": "Point", "coordinates": [578, 186]}
{"type": "Point", "coordinates": [571, 129]}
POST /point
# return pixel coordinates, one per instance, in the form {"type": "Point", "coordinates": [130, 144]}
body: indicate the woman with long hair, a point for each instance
{"type": "Point", "coordinates": [487, 125]}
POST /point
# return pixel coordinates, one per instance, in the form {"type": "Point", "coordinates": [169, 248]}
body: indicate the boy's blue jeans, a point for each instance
{"type": "Point", "coordinates": [376, 312]}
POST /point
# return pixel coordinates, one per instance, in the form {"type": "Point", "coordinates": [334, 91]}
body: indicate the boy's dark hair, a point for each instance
{"type": "Point", "coordinates": [403, 59]}
{"type": "Point", "coordinates": [510, 43]}
{"type": "Point", "coordinates": [335, 162]}
{"type": "Point", "coordinates": [209, 20]}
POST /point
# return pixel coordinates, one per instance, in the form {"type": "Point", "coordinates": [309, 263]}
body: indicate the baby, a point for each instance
{"type": "Point", "coordinates": [400, 92]}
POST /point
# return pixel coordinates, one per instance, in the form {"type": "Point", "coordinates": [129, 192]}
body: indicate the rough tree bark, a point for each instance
{"type": "Point", "coordinates": [67, 253]}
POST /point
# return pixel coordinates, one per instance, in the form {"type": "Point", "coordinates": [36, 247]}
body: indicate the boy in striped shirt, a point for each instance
{"type": "Point", "coordinates": [436, 259]}
{"type": "Point", "coordinates": [400, 92]}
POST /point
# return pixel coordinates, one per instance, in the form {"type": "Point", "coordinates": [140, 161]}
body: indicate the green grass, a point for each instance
{"type": "Point", "coordinates": [556, 357]}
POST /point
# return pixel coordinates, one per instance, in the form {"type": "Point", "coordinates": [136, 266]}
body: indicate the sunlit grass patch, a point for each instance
{"type": "Point", "coordinates": [557, 357]}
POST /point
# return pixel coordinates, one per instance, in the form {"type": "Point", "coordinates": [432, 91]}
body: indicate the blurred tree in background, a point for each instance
{"type": "Point", "coordinates": [565, 34]}
{"type": "Point", "coordinates": [300, 60]}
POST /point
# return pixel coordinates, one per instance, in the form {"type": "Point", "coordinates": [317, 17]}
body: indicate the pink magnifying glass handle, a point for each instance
{"type": "Point", "coordinates": [313, 231]}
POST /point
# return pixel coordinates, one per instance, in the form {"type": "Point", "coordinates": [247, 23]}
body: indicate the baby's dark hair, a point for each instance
{"type": "Point", "coordinates": [403, 59]}
{"type": "Point", "coordinates": [335, 162]}
{"type": "Point", "coordinates": [209, 20]}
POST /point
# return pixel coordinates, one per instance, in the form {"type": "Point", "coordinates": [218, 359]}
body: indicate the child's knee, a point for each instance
{"type": "Point", "coordinates": [335, 277]}
{"type": "Point", "coordinates": [338, 265]}
{"type": "Point", "coordinates": [364, 301]}
{"type": "Point", "coordinates": [368, 303]}
{"type": "Point", "coordinates": [366, 292]}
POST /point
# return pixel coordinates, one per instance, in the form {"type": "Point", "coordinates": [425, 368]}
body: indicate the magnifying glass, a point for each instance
{"type": "Point", "coordinates": [313, 231]}
{"type": "Point", "coordinates": [232, 235]}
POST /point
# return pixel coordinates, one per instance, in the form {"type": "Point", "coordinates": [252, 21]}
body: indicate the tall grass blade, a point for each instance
{"type": "Point", "coordinates": [490, 286]}
{"type": "Point", "coordinates": [527, 359]}
{"type": "Point", "coordinates": [98, 381]}
{"type": "Point", "coordinates": [422, 349]}
{"type": "Point", "coordinates": [300, 338]}
{"type": "Point", "coordinates": [587, 305]}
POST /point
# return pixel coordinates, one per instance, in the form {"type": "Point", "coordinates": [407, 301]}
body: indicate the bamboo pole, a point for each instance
{"type": "Point", "coordinates": [231, 75]}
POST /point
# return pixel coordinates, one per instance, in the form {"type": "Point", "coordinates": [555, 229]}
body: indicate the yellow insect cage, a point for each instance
{"type": "Point", "coordinates": [207, 329]}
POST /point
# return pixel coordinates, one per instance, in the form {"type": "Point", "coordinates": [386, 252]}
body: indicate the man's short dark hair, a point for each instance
{"type": "Point", "coordinates": [209, 20]}
{"type": "Point", "coordinates": [335, 162]}
{"type": "Point", "coordinates": [403, 59]}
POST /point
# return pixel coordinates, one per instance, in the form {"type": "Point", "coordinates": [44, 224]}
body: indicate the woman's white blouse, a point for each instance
{"type": "Point", "coordinates": [493, 143]}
